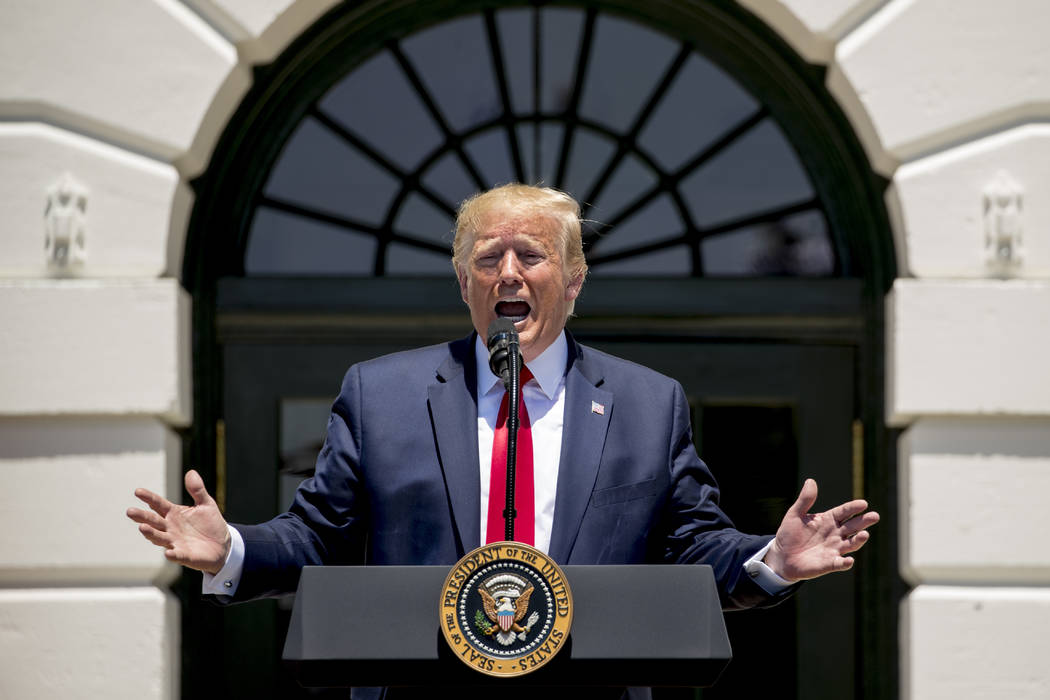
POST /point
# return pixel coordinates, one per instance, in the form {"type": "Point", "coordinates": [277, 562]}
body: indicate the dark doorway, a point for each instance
{"type": "Point", "coordinates": [765, 416]}
{"type": "Point", "coordinates": [767, 413]}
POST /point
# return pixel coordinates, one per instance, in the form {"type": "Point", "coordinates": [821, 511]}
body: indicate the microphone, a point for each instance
{"type": "Point", "coordinates": [506, 362]}
{"type": "Point", "coordinates": [501, 338]}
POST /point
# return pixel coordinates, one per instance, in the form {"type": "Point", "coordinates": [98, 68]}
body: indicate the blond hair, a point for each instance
{"type": "Point", "coordinates": [521, 200]}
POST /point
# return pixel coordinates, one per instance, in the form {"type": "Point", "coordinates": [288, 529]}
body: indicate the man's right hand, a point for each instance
{"type": "Point", "coordinates": [195, 536]}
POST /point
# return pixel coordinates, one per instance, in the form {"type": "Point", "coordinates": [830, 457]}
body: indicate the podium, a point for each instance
{"type": "Point", "coordinates": [632, 626]}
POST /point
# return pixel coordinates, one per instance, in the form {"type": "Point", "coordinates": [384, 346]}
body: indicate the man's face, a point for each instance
{"type": "Point", "coordinates": [516, 270]}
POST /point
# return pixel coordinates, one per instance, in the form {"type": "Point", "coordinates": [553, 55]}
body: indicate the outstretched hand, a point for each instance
{"type": "Point", "coordinates": [195, 536]}
{"type": "Point", "coordinates": [809, 545]}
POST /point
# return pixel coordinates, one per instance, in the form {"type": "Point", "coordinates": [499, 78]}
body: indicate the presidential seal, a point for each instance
{"type": "Point", "coordinates": [506, 609]}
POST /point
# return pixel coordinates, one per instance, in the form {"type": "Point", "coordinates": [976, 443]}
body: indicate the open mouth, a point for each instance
{"type": "Point", "coordinates": [513, 309]}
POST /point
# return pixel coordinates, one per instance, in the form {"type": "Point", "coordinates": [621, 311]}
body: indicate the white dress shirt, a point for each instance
{"type": "Point", "coordinates": [545, 401]}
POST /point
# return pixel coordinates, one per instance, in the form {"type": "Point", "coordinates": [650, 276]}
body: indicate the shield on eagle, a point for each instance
{"type": "Point", "coordinates": [506, 619]}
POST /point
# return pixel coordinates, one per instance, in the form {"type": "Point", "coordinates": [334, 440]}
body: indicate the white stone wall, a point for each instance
{"type": "Point", "coordinates": [108, 109]}
{"type": "Point", "coordinates": [950, 100]}
{"type": "Point", "coordinates": [947, 98]}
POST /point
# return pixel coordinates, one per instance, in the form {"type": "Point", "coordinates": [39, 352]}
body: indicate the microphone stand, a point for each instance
{"type": "Point", "coordinates": [513, 398]}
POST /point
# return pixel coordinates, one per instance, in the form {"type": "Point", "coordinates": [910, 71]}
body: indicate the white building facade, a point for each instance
{"type": "Point", "coordinates": [111, 108]}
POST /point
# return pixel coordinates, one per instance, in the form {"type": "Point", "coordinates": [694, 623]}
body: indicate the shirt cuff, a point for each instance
{"type": "Point", "coordinates": [226, 581]}
{"type": "Point", "coordinates": [766, 578]}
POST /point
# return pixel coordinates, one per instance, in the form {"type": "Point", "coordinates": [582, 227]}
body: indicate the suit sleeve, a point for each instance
{"type": "Point", "coordinates": [326, 522]}
{"type": "Point", "coordinates": [698, 531]}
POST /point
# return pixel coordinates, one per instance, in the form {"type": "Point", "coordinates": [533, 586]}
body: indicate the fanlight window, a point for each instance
{"type": "Point", "coordinates": [681, 170]}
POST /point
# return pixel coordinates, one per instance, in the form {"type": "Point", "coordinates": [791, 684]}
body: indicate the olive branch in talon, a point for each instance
{"type": "Point", "coordinates": [482, 623]}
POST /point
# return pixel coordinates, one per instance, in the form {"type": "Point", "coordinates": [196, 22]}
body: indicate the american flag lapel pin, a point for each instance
{"type": "Point", "coordinates": [597, 408]}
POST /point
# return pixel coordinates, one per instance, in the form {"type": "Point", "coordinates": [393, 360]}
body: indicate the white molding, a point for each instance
{"type": "Point", "coordinates": [975, 643]}
{"type": "Point", "coordinates": [971, 501]}
{"type": "Point", "coordinates": [967, 348]}
{"type": "Point", "coordinates": [812, 27]}
{"type": "Point", "coordinates": [164, 88]}
{"type": "Point", "coordinates": [86, 469]}
{"type": "Point", "coordinates": [65, 224]}
{"type": "Point", "coordinates": [261, 29]}
{"type": "Point", "coordinates": [1003, 208]}
{"type": "Point", "coordinates": [941, 202]}
{"type": "Point", "coordinates": [113, 643]}
{"type": "Point", "coordinates": [117, 347]}
{"type": "Point", "coordinates": [136, 212]}
{"type": "Point", "coordinates": [918, 77]}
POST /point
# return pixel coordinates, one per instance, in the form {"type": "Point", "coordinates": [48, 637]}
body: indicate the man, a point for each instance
{"type": "Point", "coordinates": [404, 476]}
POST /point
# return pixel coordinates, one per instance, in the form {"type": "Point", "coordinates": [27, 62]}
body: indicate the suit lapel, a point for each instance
{"type": "Point", "coordinates": [586, 423]}
{"type": "Point", "coordinates": [453, 410]}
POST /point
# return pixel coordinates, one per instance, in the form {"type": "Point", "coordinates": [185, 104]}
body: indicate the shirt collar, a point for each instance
{"type": "Point", "coordinates": [548, 369]}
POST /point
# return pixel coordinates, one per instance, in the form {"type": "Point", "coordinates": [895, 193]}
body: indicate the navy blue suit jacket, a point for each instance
{"type": "Point", "coordinates": [397, 481]}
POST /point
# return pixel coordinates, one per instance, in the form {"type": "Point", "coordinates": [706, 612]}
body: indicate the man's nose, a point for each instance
{"type": "Point", "coordinates": [509, 268]}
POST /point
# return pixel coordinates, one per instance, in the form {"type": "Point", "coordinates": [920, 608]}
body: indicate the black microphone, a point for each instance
{"type": "Point", "coordinates": [506, 362]}
{"type": "Point", "coordinates": [501, 338]}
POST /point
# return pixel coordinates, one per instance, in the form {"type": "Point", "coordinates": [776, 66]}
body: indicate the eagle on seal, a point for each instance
{"type": "Point", "coordinates": [506, 614]}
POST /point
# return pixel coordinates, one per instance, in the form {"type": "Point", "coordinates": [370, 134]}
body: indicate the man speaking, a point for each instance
{"type": "Point", "coordinates": [412, 467]}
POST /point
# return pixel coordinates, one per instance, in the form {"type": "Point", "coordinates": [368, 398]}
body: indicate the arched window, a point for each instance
{"type": "Point", "coordinates": [682, 170]}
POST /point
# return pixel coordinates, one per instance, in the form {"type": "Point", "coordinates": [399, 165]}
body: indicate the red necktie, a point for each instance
{"type": "Point", "coordinates": [524, 491]}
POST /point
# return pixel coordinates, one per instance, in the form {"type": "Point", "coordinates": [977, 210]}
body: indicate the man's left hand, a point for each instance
{"type": "Point", "coordinates": [809, 545]}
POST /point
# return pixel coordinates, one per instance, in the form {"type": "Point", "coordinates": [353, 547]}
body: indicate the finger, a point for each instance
{"type": "Point", "coordinates": [158, 503]}
{"type": "Point", "coordinates": [853, 543]}
{"type": "Point", "coordinates": [176, 555]}
{"type": "Point", "coordinates": [859, 522]}
{"type": "Point", "coordinates": [196, 489]}
{"type": "Point", "coordinates": [843, 564]}
{"type": "Point", "coordinates": [806, 498]}
{"type": "Point", "coordinates": [147, 517]}
{"type": "Point", "coordinates": [848, 510]}
{"type": "Point", "coordinates": [181, 556]}
{"type": "Point", "coordinates": [827, 566]}
{"type": "Point", "coordinates": [161, 539]}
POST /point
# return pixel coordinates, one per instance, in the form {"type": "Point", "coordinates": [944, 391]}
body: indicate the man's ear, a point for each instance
{"type": "Point", "coordinates": [572, 289]}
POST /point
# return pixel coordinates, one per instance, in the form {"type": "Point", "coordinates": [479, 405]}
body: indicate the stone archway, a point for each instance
{"type": "Point", "coordinates": [290, 88]}
{"type": "Point", "coordinates": [130, 100]}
